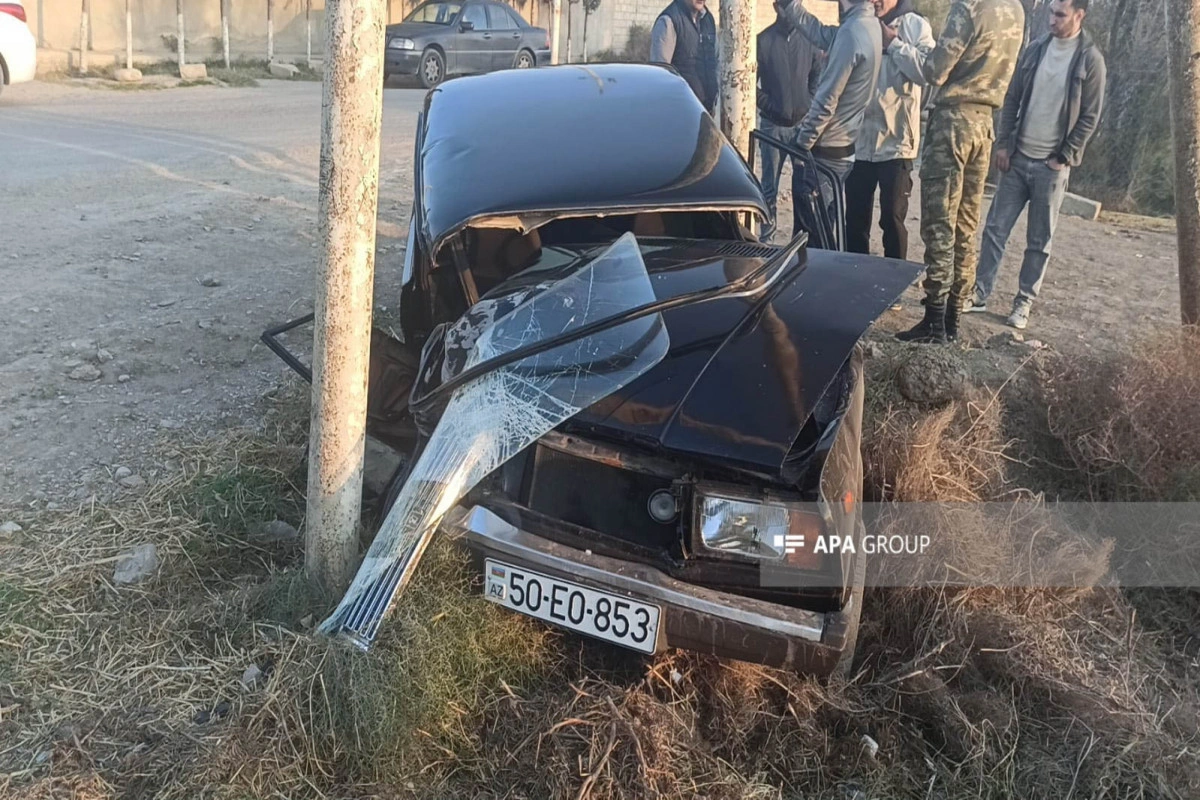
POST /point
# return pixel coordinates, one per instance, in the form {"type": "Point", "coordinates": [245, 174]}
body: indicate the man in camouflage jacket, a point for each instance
{"type": "Point", "coordinates": [972, 65]}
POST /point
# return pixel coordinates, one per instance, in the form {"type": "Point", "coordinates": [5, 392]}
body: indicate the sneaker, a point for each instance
{"type": "Point", "coordinates": [1019, 318]}
{"type": "Point", "coordinates": [975, 307]}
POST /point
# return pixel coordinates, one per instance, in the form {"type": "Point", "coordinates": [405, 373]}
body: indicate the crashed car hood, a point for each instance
{"type": "Point", "coordinates": [744, 373]}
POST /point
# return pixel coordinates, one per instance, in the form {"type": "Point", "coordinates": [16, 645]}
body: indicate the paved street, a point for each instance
{"type": "Point", "coordinates": [115, 207]}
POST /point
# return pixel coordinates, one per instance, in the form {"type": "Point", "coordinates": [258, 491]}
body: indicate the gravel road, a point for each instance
{"type": "Point", "coordinates": [148, 239]}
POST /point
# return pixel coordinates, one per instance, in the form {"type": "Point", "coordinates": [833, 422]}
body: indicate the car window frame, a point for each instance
{"type": "Point", "coordinates": [467, 7]}
{"type": "Point", "coordinates": [505, 12]}
{"type": "Point", "coordinates": [453, 20]}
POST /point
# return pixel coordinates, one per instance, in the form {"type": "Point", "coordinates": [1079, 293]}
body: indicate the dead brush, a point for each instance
{"type": "Point", "coordinates": [950, 454]}
{"type": "Point", "coordinates": [1130, 423]}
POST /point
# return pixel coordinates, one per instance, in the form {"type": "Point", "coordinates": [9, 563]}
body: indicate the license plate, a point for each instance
{"type": "Point", "coordinates": [595, 613]}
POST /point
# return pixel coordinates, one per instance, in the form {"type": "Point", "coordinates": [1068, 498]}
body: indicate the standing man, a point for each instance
{"type": "Point", "coordinates": [789, 67]}
{"type": "Point", "coordinates": [972, 64]}
{"type": "Point", "coordinates": [890, 136]}
{"type": "Point", "coordinates": [685, 36]}
{"type": "Point", "coordinates": [1051, 111]}
{"type": "Point", "coordinates": [847, 86]}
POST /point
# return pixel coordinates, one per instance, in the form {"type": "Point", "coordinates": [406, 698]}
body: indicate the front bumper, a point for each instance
{"type": "Point", "coordinates": [693, 617]}
{"type": "Point", "coordinates": [401, 62]}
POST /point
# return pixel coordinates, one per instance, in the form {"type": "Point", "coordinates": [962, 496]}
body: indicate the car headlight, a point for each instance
{"type": "Point", "coordinates": [761, 530]}
{"type": "Point", "coordinates": [400, 44]}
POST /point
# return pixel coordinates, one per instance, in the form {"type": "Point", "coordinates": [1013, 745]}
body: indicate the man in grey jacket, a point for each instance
{"type": "Point", "coordinates": [1051, 111]}
{"type": "Point", "coordinates": [830, 128]}
{"type": "Point", "coordinates": [890, 137]}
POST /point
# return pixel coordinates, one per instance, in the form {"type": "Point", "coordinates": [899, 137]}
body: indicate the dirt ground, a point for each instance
{"type": "Point", "coordinates": [150, 237]}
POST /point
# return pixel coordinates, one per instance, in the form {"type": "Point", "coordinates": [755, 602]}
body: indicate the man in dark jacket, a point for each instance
{"type": "Point", "coordinates": [1051, 111]}
{"type": "Point", "coordinates": [685, 36]}
{"type": "Point", "coordinates": [789, 68]}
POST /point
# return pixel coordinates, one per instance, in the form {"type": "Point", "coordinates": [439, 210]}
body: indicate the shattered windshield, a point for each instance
{"type": "Point", "coordinates": [490, 419]}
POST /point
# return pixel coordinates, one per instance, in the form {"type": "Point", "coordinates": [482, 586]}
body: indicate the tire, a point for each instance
{"type": "Point", "coordinates": [525, 60]}
{"type": "Point", "coordinates": [433, 68]}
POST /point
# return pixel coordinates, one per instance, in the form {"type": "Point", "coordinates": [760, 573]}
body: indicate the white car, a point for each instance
{"type": "Point", "coordinates": [18, 50]}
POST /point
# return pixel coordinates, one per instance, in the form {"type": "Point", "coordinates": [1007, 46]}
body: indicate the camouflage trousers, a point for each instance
{"type": "Point", "coordinates": [954, 166]}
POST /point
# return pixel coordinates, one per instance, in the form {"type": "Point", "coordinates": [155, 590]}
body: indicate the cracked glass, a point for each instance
{"type": "Point", "coordinates": [490, 419]}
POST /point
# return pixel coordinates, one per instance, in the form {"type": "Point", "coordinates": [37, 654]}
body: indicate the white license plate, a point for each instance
{"type": "Point", "coordinates": [592, 612]}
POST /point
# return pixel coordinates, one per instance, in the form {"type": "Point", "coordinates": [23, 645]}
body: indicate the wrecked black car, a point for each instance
{"type": "Point", "coordinates": [643, 422]}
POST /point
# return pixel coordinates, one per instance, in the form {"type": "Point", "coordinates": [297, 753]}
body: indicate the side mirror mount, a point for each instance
{"type": "Point", "coordinates": [466, 25]}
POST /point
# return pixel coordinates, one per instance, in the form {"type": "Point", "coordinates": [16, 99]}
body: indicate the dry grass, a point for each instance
{"type": "Point", "coordinates": [1130, 424]}
{"type": "Point", "coordinates": [135, 692]}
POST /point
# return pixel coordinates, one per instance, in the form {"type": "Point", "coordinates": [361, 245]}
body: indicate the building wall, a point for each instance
{"type": "Point", "coordinates": [55, 23]}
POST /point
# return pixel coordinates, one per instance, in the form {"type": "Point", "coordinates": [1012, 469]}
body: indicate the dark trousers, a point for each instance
{"type": "Point", "coordinates": [895, 182]}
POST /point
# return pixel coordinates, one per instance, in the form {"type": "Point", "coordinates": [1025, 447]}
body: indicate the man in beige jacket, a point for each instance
{"type": "Point", "coordinates": [890, 136]}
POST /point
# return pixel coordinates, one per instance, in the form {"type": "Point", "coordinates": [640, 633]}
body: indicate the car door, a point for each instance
{"type": "Point", "coordinates": [473, 42]}
{"type": "Point", "coordinates": [506, 35]}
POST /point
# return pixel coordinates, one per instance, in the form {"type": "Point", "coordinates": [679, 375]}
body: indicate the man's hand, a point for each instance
{"type": "Point", "coordinates": [1053, 163]}
{"type": "Point", "coordinates": [889, 34]}
{"type": "Point", "coordinates": [1003, 162]}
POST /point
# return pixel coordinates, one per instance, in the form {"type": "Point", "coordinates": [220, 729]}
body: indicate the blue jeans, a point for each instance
{"type": "Point", "coordinates": [1031, 183]}
{"type": "Point", "coordinates": [772, 164]}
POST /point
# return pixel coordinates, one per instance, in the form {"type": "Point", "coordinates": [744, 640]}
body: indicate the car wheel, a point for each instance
{"type": "Point", "coordinates": [433, 68]}
{"type": "Point", "coordinates": [524, 60]}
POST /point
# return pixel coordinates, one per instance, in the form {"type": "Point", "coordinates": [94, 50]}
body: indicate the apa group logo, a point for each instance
{"type": "Point", "coordinates": [871, 545]}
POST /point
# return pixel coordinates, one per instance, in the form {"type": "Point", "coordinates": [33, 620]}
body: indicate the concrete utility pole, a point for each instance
{"type": "Point", "coordinates": [555, 30]}
{"type": "Point", "coordinates": [739, 72]}
{"type": "Point", "coordinates": [308, 32]}
{"type": "Point", "coordinates": [128, 34]}
{"type": "Point", "coordinates": [83, 38]}
{"type": "Point", "coordinates": [270, 31]}
{"type": "Point", "coordinates": [352, 111]}
{"type": "Point", "coordinates": [1183, 33]}
{"type": "Point", "coordinates": [225, 31]}
{"type": "Point", "coordinates": [179, 32]}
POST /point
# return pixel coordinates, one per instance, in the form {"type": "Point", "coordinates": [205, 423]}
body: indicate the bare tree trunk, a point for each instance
{"type": "Point", "coordinates": [351, 117]}
{"type": "Point", "coordinates": [308, 32]}
{"type": "Point", "coordinates": [270, 30]}
{"type": "Point", "coordinates": [83, 37]}
{"type": "Point", "coordinates": [1183, 33]}
{"type": "Point", "coordinates": [739, 72]}
{"type": "Point", "coordinates": [555, 30]}
{"type": "Point", "coordinates": [179, 32]}
{"type": "Point", "coordinates": [225, 31]}
{"type": "Point", "coordinates": [128, 34]}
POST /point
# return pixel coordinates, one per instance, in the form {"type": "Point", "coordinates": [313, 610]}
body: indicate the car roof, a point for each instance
{"type": "Point", "coordinates": [573, 138]}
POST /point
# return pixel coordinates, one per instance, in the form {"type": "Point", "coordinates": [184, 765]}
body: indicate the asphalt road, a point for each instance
{"type": "Point", "coordinates": [116, 207]}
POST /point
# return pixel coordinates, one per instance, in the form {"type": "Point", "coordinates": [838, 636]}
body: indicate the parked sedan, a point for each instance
{"type": "Point", "coordinates": [18, 50]}
{"type": "Point", "coordinates": [445, 37]}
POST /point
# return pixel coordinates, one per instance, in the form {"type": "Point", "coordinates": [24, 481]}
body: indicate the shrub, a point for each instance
{"type": "Point", "coordinates": [1130, 424]}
